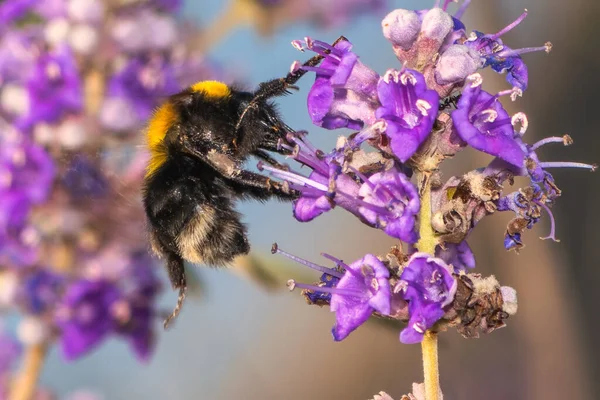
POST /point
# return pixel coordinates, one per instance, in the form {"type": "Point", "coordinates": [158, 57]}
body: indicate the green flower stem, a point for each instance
{"type": "Point", "coordinates": [426, 244]}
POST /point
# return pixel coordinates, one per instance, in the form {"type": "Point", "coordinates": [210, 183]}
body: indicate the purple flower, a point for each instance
{"type": "Point", "coordinates": [502, 58]}
{"type": "Point", "coordinates": [460, 256]}
{"type": "Point", "coordinates": [391, 202]}
{"type": "Point", "coordinates": [18, 240]}
{"type": "Point", "coordinates": [41, 291]}
{"type": "Point", "coordinates": [428, 286]}
{"type": "Point", "coordinates": [84, 180]}
{"type": "Point", "coordinates": [142, 84]}
{"type": "Point", "coordinates": [54, 87]}
{"type": "Point", "coordinates": [26, 168]}
{"type": "Point", "coordinates": [10, 350]}
{"type": "Point", "coordinates": [345, 90]}
{"type": "Point", "coordinates": [384, 200]}
{"type": "Point", "coordinates": [361, 289]}
{"type": "Point", "coordinates": [481, 121]}
{"type": "Point", "coordinates": [364, 288]}
{"type": "Point", "coordinates": [85, 316]}
{"type": "Point", "coordinates": [11, 10]}
{"type": "Point", "coordinates": [408, 108]}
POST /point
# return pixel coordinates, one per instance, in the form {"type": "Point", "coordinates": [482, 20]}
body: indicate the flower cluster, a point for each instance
{"type": "Point", "coordinates": [414, 116]}
{"type": "Point", "coordinates": [79, 79]}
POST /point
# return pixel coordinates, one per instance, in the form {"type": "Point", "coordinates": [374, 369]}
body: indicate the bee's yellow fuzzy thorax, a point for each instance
{"type": "Point", "coordinates": [165, 116]}
{"type": "Point", "coordinates": [214, 89]}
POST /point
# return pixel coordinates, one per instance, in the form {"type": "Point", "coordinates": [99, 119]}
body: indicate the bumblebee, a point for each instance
{"type": "Point", "coordinates": [198, 141]}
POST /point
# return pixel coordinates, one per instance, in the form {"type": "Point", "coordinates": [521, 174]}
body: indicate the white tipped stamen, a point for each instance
{"type": "Point", "coordinates": [548, 47]}
{"type": "Point", "coordinates": [516, 92]}
{"type": "Point", "coordinates": [408, 77]}
{"type": "Point", "coordinates": [375, 284]}
{"type": "Point", "coordinates": [475, 80]}
{"type": "Point", "coordinates": [520, 118]}
{"type": "Point", "coordinates": [472, 37]}
{"type": "Point", "coordinates": [418, 327]}
{"type": "Point", "coordinates": [291, 284]}
{"type": "Point", "coordinates": [491, 115]}
{"type": "Point", "coordinates": [567, 140]}
{"type": "Point", "coordinates": [423, 107]}
{"type": "Point", "coordinates": [296, 65]}
{"type": "Point", "coordinates": [400, 286]}
{"type": "Point", "coordinates": [309, 42]}
{"type": "Point", "coordinates": [297, 44]}
{"type": "Point", "coordinates": [390, 74]}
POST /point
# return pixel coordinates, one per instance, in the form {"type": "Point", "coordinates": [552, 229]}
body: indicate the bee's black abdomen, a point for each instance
{"type": "Point", "coordinates": [191, 214]}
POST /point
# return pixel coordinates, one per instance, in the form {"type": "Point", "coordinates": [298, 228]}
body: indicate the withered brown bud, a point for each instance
{"type": "Point", "coordinates": [479, 305]}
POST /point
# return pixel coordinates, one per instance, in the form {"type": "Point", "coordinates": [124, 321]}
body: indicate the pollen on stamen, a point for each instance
{"type": "Point", "coordinates": [423, 106]}
{"type": "Point", "coordinates": [521, 119]}
{"type": "Point", "coordinates": [408, 77]}
{"type": "Point", "coordinates": [400, 286]}
{"type": "Point", "coordinates": [297, 44]}
{"type": "Point", "coordinates": [475, 80]}
{"type": "Point", "coordinates": [291, 284]}
{"type": "Point", "coordinates": [296, 65]}
{"type": "Point", "coordinates": [419, 327]}
{"type": "Point", "coordinates": [491, 115]}
{"type": "Point", "coordinates": [390, 73]}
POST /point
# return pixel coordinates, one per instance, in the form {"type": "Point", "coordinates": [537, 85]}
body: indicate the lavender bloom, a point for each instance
{"type": "Point", "coordinates": [482, 122]}
{"type": "Point", "coordinates": [362, 288]}
{"type": "Point", "coordinates": [85, 316]}
{"type": "Point", "coordinates": [54, 88]}
{"type": "Point", "coordinates": [408, 108]}
{"type": "Point", "coordinates": [344, 93]}
{"type": "Point", "coordinates": [502, 58]}
{"type": "Point", "coordinates": [139, 86]}
{"type": "Point", "coordinates": [385, 200]}
{"type": "Point", "coordinates": [41, 291]}
{"type": "Point", "coordinates": [12, 10]}
{"type": "Point", "coordinates": [428, 286]}
{"type": "Point", "coordinates": [26, 168]}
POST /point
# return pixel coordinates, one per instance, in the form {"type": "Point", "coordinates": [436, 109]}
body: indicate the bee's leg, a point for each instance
{"type": "Point", "coordinates": [260, 186]}
{"type": "Point", "coordinates": [266, 157]}
{"type": "Point", "coordinates": [281, 86]}
{"type": "Point", "coordinates": [176, 271]}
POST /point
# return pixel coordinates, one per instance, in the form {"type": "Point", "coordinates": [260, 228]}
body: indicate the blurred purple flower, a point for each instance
{"type": "Point", "coordinates": [84, 317]}
{"type": "Point", "coordinates": [11, 10]}
{"type": "Point", "coordinates": [54, 87]}
{"type": "Point", "coordinates": [41, 290]}
{"type": "Point", "coordinates": [428, 286]}
{"type": "Point", "coordinates": [26, 168]}
{"type": "Point", "coordinates": [141, 85]}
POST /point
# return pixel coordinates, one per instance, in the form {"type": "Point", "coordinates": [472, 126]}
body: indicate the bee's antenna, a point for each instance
{"type": "Point", "coordinates": [178, 306]}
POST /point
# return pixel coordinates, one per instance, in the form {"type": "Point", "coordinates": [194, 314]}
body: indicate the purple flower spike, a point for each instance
{"type": "Point", "coordinates": [85, 318]}
{"type": "Point", "coordinates": [364, 288]}
{"type": "Point", "coordinates": [481, 121]}
{"type": "Point", "coordinates": [408, 108]}
{"type": "Point", "coordinates": [54, 88]}
{"type": "Point", "coordinates": [428, 286]}
{"type": "Point", "coordinates": [345, 90]}
{"type": "Point", "coordinates": [391, 202]}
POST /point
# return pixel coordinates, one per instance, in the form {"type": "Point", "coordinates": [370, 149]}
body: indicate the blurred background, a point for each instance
{"type": "Point", "coordinates": [238, 338]}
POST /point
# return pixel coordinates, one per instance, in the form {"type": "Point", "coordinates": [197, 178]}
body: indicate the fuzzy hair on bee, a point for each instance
{"type": "Point", "coordinates": [198, 141]}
